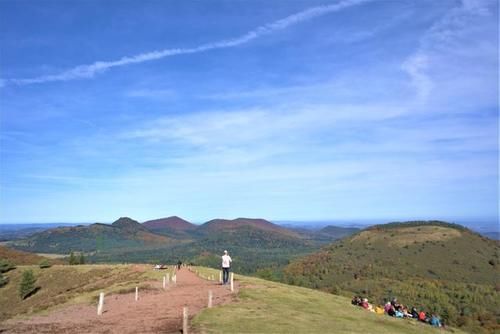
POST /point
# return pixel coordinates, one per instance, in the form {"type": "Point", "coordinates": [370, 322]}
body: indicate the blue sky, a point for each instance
{"type": "Point", "coordinates": [299, 110]}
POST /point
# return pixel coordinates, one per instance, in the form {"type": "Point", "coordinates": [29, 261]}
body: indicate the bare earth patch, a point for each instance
{"type": "Point", "coordinates": [156, 311]}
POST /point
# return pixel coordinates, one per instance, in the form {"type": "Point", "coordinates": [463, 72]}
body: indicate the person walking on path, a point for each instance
{"type": "Point", "coordinates": [226, 265]}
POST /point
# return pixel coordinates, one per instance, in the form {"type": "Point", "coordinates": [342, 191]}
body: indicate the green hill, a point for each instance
{"type": "Point", "coordinates": [124, 233]}
{"type": "Point", "coordinates": [268, 307]}
{"type": "Point", "coordinates": [441, 267]}
{"type": "Point", "coordinates": [171, 226]}
{"type": "Point", "coordinates": [260, 247]}
{"type": "Point", "coordinates": [259, 307]}
{"type": "Point", "coordinates": [257, 246]}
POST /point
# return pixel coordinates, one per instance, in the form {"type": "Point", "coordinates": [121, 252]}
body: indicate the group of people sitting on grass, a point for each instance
{"type": "Point", "coordinates": [394, 309]}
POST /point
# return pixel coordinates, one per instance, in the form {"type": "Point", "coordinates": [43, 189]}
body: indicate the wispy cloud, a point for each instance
{"type": "Point", "coordinates": [416, 67]}
{"type": "Point", "coordinates": [233, 128]}
{"type": "Point", "coordinates": [152, 93]}
{"type": "Point", "coordinates": [444, 38]}
{"type": "Point", "coordinates": [90, 70]}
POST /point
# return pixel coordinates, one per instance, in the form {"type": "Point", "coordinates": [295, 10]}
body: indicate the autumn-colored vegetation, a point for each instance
{"type": "Point", "coordinates": [438, 267]}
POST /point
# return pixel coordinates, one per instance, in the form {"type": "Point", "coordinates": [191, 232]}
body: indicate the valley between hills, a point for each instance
{"type": "Point", "coordinates": [436, 266]}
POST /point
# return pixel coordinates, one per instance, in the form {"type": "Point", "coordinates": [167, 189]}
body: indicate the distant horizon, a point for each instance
{"type": "Point", "coordinates": [306, 108]}
{"type": "Point", "coordinates": [479, 224]}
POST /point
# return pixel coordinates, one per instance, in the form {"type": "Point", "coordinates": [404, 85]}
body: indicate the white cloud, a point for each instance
{"type": "Point", "coordinates": [89, 71]}
{"type": "Point", "coordinates": [455, 51]}
{"type": "Point", "coordinates": [416, 66]}
{"type": "Point", "coordinates": [152, 93]}
{"type": "Point", "coordinates": [229, 128]}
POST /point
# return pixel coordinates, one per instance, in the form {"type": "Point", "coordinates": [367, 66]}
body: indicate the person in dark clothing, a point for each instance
{"type": "Point", "coordinates": [179, 264]}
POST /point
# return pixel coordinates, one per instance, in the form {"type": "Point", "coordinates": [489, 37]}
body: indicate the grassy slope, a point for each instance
{"type": "Point", "coordinates": [262, 306]}
{"type": "Point", "coordinates": [267, 307]}
{"type": "Point", "coordinates": [63, 284]}
{"type": "Point", "coordinates": [440, 268]}
{"type": "Point", "coordinates": [20, 258]}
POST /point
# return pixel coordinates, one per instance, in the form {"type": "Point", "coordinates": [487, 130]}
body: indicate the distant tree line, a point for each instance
{"type": "Point", "coordinates": [76, 259]}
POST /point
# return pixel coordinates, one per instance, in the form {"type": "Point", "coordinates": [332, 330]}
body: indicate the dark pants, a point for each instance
{"type": "Point", "coordinates": [225, 275]}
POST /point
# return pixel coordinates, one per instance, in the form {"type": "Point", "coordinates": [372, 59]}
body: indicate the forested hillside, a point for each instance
{"type": "Point", "coordinates": [257, 245]}
{"type": "Point", "coordinates": [444, 268]}
{"type": "Point", "coordinates": [124, 233]}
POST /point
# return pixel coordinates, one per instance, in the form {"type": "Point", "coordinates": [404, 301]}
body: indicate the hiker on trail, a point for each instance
{"type": "Point", "coordinates": [179, 264]}
{"type": "Point", "coordinates": [226, 265]}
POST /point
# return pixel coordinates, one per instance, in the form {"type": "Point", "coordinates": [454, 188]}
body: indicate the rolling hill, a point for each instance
{"type": "Point", "coordinates": [259, 306]}
{"type": "Point", "coordinates": [10, 232]}
{"type": "Point", "coordinates": [124, 233]}
{"type": "Point", "coordinates": [255, 245]}
{"type": "Point", "coordinates": [248, 232]}
{"type": "Point", "coordinates": [23, 258]}
{"type": "Point", "coordinates": [337, 232]}
{"type": "Point", "coordinates": [171, 226]}
{"type": "Point", "coordinates": [226, 225]}
{"type": "Point", "coordinates": [269, 307]}
{"type": "Point", "coordinates": [441, 267]}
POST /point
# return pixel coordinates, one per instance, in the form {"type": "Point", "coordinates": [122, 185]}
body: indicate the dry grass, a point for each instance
{"type": "Point", "coordinates": [266, 307]}
{"type": "Point", "coordinates": [400, 237]}
{"type": "Point", "coordinates": [64, 284]}
{"type": "Point", "coordinates": [22, 258]}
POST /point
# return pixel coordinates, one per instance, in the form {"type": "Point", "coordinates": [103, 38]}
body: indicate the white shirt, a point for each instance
{"type": "Point", "coordinates": [226, 261]}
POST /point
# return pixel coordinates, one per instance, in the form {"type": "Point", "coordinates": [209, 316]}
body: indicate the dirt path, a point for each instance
{"type": "Point", "coordinates": [156, 311]}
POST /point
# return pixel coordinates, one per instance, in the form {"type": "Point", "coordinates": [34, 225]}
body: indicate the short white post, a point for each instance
{"type": "Point", "coordinates": [136, 293]}
{"type": "Point", "coordinates": [220, 276]}
{"type": "Point", "coordinates": [100, 306]}
{"type": "Point", "coordinates": [185, 320]}
{"type": "Point", "coordinates": [164, 278]}
{"type": "Point", "coordinates": [232, 284]}
{"type": "Point", "coordinates": [168, 277]}
{"type": "Point", "coordinates": [174, 279]}
{"type": "Point", "coordinates": [209, 298]}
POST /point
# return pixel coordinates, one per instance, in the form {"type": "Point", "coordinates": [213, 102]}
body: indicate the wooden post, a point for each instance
{"type": "Point", "coordinates": [164, 278]}
{"type": "Point", "coordinates": [136, 293]}
{"type": "Point", "coordinates": [210, 298]}
{"type": "Point", "coordinates": [185, 320]}
{"type": "Point", "coordinates": [220, 276]}
{"type": "Point", "coordinates": [100, 306]}
{"type": "Point", "coordinates": [232, 284]}
{"type": "Point", "coordinates": [168, 277]}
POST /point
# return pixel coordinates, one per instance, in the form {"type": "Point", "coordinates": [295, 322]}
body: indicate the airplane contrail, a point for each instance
{"type": "Point", "coordinates": [90, 70]}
